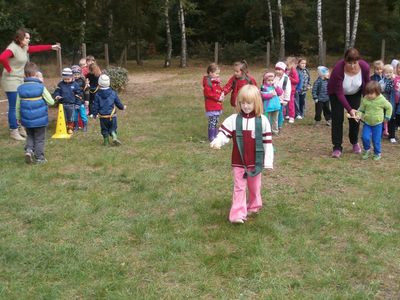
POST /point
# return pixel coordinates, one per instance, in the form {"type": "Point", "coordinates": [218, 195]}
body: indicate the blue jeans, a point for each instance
{"type": "Point", "coordinates": [376, 132]}
{"type": "Point", "coordinates": [12, 110]}
{"type": "Point", "coordinates": [81, 111]}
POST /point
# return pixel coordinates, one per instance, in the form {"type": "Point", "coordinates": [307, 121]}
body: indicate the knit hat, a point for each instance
{"type": "Point", "coordinates": [394, 63]}
{"type": "Point", "coordinates": [66, 72]}
{"type": "Point", "coordinates": [104, 81]}
{"type": "Point", "coordinates": [323, 71]}
{"type": "Point", "coordinates": [76, 69]}
{"type": "Point", "coordinates": [280, 66]}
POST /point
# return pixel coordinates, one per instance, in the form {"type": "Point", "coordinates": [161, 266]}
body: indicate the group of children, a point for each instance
{"type": "Point", "coordinates": [260, 113]}
{"type": "Point", "coordinates": [83, 91]}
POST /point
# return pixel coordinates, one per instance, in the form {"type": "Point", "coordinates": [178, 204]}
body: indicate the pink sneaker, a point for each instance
{"type": "Point", "coordinates": [356, 149]}
{"type": "Point", "coordinates": [336, 153]}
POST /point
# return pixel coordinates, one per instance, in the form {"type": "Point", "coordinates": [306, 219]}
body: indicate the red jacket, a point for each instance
{"type": "Point", "coordinates": [212, 93]}
{"type": "Point", "coordinates": [235, 84]}
{"type": "Point", "coordinates": [294, 79]}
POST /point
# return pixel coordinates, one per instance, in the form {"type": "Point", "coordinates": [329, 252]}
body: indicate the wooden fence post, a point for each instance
{"type": "Point", "coordinates": [216, 53]}
{"type": "Point", "coordinates": [59, 59]}
{"type": "Point", "coordinates": [83, 50]}
{"type": "Point", "coordinates": [107, 58]}
{"type": "Point", "coordinates": [268, 62]}
{"type": "Point", "coordinates": [383, 50]}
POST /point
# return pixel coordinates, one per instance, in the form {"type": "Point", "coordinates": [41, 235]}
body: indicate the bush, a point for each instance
{"type": "Point", "coordinates": [118, 76]}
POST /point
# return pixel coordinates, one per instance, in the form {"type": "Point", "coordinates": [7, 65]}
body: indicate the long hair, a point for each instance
{"type": "Point", "coordinates": [250, 94]}
{"type": "Point", "coordinates": [95, 69]}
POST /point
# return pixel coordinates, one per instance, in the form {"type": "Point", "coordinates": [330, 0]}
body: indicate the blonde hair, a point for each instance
{"type": "Point", "coordinates": [291, 61]}
{"type": "Point", "coordinates": [378, 64]}
{"type": "Point", "coordinates": [250, 94]}
{"type": "Point", "coordinates": [388, 68]}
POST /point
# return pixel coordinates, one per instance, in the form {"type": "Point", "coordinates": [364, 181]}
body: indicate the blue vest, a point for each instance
{"type": "Point", "coordinates": [33, 107]}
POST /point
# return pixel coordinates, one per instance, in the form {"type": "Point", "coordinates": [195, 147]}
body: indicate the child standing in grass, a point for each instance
{"type": "Point", "coordinates": [270, 96]}
{"type": "Point", "coordinates": [302, 87]}
{"type": "Point", "coordinates": [321, 97]}
{"type": "Point", "coordinates": [282, 80]}
{"type": "Point", "coordinates": [212, 99]}
{"type": "Point", "coordinates": [80, 111]}
{"type": "Point", "coordinates": [387, 88]}
{"type": "Point", "coordinates": [32, 101]}
{"type": "Point", "coordinates": [252, 151]}
{"type": "Point", "coordinates": [104, 107]}
{"type": "Point", "coordinates": [240, 78]}
{"type": "Point", "coordinates": [373, 110]}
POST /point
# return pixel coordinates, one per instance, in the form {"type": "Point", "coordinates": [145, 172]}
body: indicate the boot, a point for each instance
{"type": "Point", "coordinates": [22, 131]}
{"type": "Point", "coordinates": [116, 142]}
{"type": "Point", "coordinates": [14, 134]}
{"type": "Point", "coordinates": [106, 141]}
{"type": "Point", "coordinates": [70, 126]}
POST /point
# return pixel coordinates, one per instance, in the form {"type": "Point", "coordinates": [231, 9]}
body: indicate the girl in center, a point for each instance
{"type": "Point", "coordinates": [252, 151]}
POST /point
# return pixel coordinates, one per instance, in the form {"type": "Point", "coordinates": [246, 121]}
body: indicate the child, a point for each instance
{"type": "Point", "coordinates": [270, 96]}
{"type": "Point", "coordinates": [84, 72]}
{"type": "Point", "coordinates": [93, 77]}
{"type": "Point", "coordinates": [302, 87]}
{"type": "Point", "coordinates": [85, 63]}
{"type": "Point", "coordinates": [213, 99]}
{"type": "Point", "coordinates": [282, 80]}
{"type": "Point", "coordinates": [294, 80]}
{"type": "Point", "coordinates": [387, 88]}
{"type": "Point", "coordinates": [371, 111]}
{"type": "Point", "coordinates": [321, 97]}
{"type": "Point", "coordinates": [32, 110]}
{"type": "Point", "coordinates": [394, 121]}
{"type": "Point", "coordinates": [240, 78]}
{"type": "Point", "coordinates": [252, 150]}
{"type": "Point", "coordinates": [68, 93]}
{"type": "Point", "coordinates": [104, 106]}
{"type": "Point", "coordinates": [80, 111]}
{"type": "Point", "coordinates": [378, 70]}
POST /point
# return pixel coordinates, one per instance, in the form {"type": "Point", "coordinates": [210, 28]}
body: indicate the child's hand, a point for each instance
{"type": "Point", "coordinates": [58, 97]}
{"type": "Point", "coordinates": [221, 98]}
{"type": "Point", "coordinates": [215, 144]}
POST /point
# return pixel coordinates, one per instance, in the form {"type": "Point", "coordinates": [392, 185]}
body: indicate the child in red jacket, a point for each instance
{"type": "Point", "coordinates": [213, 98]}
{"type": "Point", "coordinates": [294, 80]}
{"type": "Point", "coordinates": [240, 78]}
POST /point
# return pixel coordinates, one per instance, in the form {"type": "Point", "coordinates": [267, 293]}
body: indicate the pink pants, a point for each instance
{"type": "Point", "coordinates": [239, 206]}
{"type": "Point", "coordinates": [291, 105]}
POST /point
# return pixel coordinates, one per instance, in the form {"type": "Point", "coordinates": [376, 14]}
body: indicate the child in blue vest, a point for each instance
{"type": "Point", "coordinates": [32, 111]}
{"type": "Point", "coordinates": [271, 102]}
{"type": "Point", "coordinates": [105, 101]}
{"type": "Point", "coordinates": [252, 151]}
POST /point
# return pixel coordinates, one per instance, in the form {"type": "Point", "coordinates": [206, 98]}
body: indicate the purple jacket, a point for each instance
{"type": "Point", "coordinates": [335, 85]}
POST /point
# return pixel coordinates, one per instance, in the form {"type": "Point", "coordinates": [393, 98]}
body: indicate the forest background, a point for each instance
{"type": "Point", "coordinates": [242, 27]}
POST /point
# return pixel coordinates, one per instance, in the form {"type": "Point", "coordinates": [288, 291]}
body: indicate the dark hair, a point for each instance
{"type": "Point", "coordinates": [95, 69]}
{"type": "Point", "coordinates": [351, 55]}
{"type": "Point", "coordinates": [30, 69]}
{"type": "Point", "coordinates": [20, 35]}
{"type": "Point", "coordinates": [300, 59]}
{"type": "Point", "coordinates": [212, 68]}
{"type": "Point", "coordinates": [372, 87]}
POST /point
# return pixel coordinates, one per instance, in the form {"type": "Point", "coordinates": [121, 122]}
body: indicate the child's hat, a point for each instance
{"type": "Point", "coordinates": [280, 66]}
{"type": "Point", "coordinates": [104, 80]}
{"type": "Point", "coordinates": [66, 72]}
{"type": "Point", "coordinates": [268, 75]}
{"type": "Point", "coordinates": [322, 71]}
{"type": "Point", "coordinates": [394, 63]}
{"type": "Point", "coordinates": [76, 69]}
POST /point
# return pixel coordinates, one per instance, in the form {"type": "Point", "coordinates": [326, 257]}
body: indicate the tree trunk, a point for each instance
{"type": "Point", "coordinates": [355, 24]}
{"type": "Point", "coordinates": [82, 33]}
{"type": "Point", "coordinates": [271, 29]}
{"type": "Point", "coordinates": [320, 33]}
{"type": "Point", "coordinates": [168, 55]}
{"type": "Point", "coordinates": [347, 39]}
{"type": "Point", "coordinates": [183, 35]}
{"type": "Point", "coordinates": [282, 29]}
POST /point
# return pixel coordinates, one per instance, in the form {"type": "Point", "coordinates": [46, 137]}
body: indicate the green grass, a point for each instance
{"type": "Point", "coordinates": [148, 220]}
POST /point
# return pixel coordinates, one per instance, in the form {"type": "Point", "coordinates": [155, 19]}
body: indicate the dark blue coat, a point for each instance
{"type": "Point", "coordinates": [33, 108]}
{"type": "Point", "coordinates": [105, 101]}
{"type": "Point", "coordinates": [69, 92]}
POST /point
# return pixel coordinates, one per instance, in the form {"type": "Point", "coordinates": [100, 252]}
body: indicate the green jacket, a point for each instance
{"type": "Point", "coordinates": [373, 112]}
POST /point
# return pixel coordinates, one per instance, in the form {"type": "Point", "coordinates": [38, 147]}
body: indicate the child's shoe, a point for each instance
{"type": "Point", "coordinates": [365, 154]}
{"type": "Point", "coordinates": [70, 131]}
{"type": "Point", "coordinates": [41, 161]}
{"type": "Point", "coordinates": [356, 149]}
{"type": "Point", "coordinates": [29, 156]}
{"type": "Point", "coordinates": [14, 134]}
{"type": "Point", "coordinates": [286, 117]}
{"type": "Point", "coordinates": [22, 131]}
{"type": "Point", "coordinates": [377, 157]}
{"type": "Point", "coordinates": [291, 120]}
{"type": "Point", "coordinates": [115, 140]}
{"type": "Point", "coordinates": [336, 153]}
{"type": "Point", "coordinates": [237, 221]}
{"type": "Point", "coordinates": [393, 141]}
{"type": "Point", "coordinates": [299, 117]}
{"type": "Point", "coordinates": [106, 141]}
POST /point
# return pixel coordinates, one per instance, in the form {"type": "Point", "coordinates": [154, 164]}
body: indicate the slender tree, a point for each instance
{"type": "Point", "coordinates": [181, 16]}
{"type": "Point", "coordinates": [82, 30]}
{"type": "Point", "coordinates": [271, 29]}
{"type": "Point", "coordinates": [347, 39]}
{"type": "Point", "coordinates": [320, 33]}
{"type": "Point", "coordinates": [168, 55]}
{"type": "Point", "coordinates": [355, 23]}
{"type": "Point", "coordinates": [282, 31]}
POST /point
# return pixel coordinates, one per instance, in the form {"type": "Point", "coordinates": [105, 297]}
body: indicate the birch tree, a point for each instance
{"type": "Point", "coordinates": [271, 30]}
{"type": "Point", "coordinates": [355, 23]}
{"type": "Point", "coordinates": [320, 33]}
{"type": "Point", "coordinates": [347, 38]}
{"type": "Point", "coordinates": [82, 28]}
{"type": "Point", "coordinates": [168, 55]}
{"type": "Point", "coordinates": [181, 16]}
{"type": "Point", "coordinates": [282, 31]}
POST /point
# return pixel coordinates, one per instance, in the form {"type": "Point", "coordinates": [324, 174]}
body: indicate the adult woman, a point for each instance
{"type": "Point", "coordinates": [346, 84]}
{"type": "Point", "coordinates": [13, 60]}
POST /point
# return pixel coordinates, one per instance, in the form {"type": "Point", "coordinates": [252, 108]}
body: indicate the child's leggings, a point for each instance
{"type": "Point", "coordinates": [81, 111]}
{"type": "Point", "coordinates": [240, 207]}
{"type": "Point", "coordinates": [213, 122]}
{"type": "Point", "coordinates": [273, 120]}
{"type": "Point", "coordinates": [375, 132]}
{"type": "Point", "coordinates": [281, 118]}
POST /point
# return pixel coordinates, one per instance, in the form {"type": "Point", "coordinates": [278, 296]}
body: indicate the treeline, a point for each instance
{"type": "Point", "coordinates": [242, 27]}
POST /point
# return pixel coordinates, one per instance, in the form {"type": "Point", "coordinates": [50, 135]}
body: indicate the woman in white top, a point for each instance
{"type": "Point", "coordinates": [346, 85]}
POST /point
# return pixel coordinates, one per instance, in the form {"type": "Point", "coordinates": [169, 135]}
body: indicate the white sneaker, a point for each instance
{"type": "Point", "coordinates": [291, 120]}
{"type": "Point", "coordinates": [299, 118]}
{"type": "Point", "coordinates": [286, 117]}
{"type": "Point", "coordinates": [393, 141]}
{"type": "Point", "coordinates": [237, 221]}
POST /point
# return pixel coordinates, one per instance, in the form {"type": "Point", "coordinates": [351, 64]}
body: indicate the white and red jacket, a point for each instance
{"type": "Point", "coordinates": [212, 92]}
{"type": "Point", "coordinates": [228, 131]}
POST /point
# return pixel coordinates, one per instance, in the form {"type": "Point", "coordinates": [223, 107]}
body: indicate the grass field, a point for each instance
{"type": "Point", "coordinates": [148, 220]}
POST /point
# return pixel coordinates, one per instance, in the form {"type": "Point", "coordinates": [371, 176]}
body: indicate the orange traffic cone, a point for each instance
{"type": "Point", "coordinates": [61, 128]}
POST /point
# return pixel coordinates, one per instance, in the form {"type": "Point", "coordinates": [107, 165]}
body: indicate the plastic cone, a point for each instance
{"type": "Point", "coordinates": [61, 128]}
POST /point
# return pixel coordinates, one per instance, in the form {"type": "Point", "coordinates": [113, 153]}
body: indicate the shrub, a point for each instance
{"type": "Point", "coordinates": [118, 76]}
